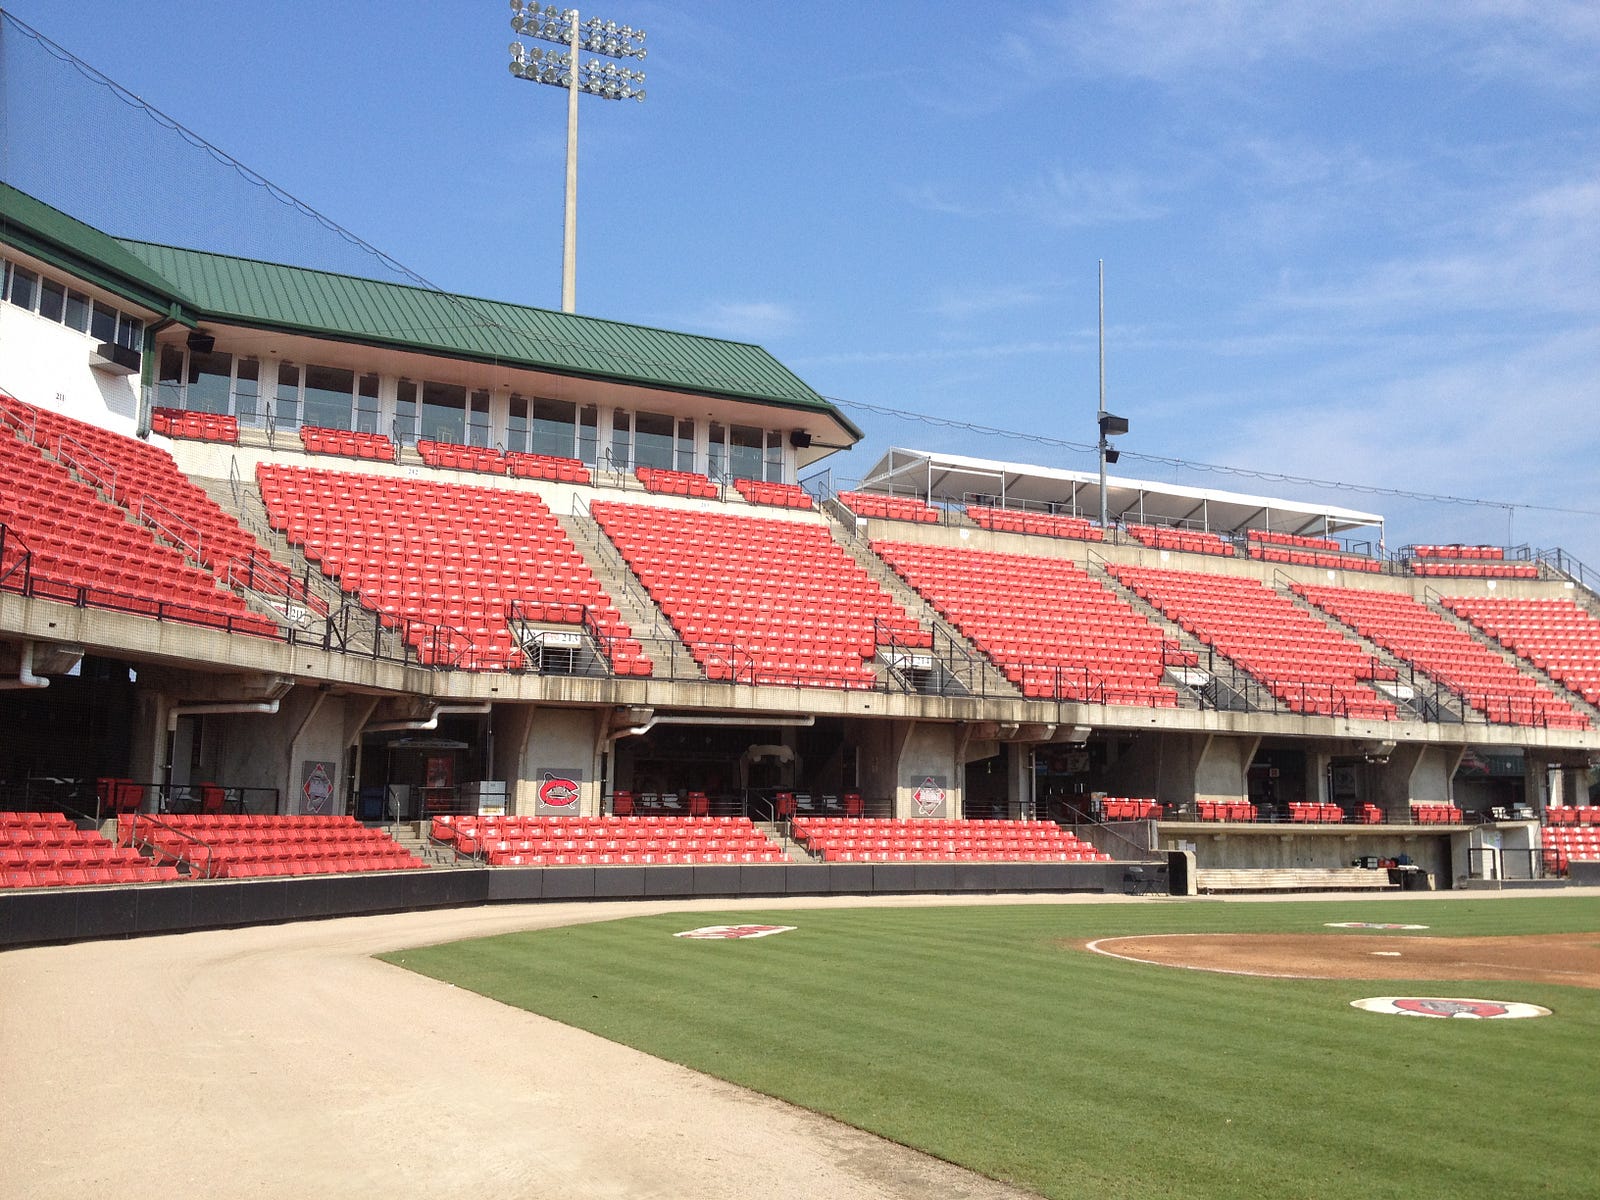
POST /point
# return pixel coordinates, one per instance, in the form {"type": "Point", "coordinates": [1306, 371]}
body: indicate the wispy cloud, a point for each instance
{"type": "Point", "coordinates": [980, 301]}
{"type": "Point", "coordinates": [742, 320]}
{"type": "Point", "coordinates": [1060, 198]}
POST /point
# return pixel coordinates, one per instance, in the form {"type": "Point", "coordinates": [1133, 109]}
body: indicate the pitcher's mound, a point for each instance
{"type": "Point", "coordinates": [1570, 958]}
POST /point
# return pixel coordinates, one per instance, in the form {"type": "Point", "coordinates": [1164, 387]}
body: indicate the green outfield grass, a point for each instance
{"type": "Point", "coordinates": [980, 1035]}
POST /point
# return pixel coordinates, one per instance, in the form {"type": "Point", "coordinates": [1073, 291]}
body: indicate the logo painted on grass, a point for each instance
{"type": "Point", "coordinates": [1449, 1006]}
{"type": "Point", "coordinates": [1369, 925]}
{"type": "Point", "coordinates": [724, 932]}
{"type": "Point", "coordinates": [557, 792]}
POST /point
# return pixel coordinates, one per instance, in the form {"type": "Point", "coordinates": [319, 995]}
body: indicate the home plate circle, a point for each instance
{"type": "Point", "coordinates": [1368, 925]}
{"type": "Point", "coordinates": [727, 932]}
{"type": "Point", "coordinates": [1449, 1006]}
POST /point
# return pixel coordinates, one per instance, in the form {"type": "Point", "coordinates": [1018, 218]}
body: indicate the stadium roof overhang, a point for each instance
{"type": "Point", "coordinates": [958, 479]}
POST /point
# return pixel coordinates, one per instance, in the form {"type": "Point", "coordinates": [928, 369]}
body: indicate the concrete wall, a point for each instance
{"type": "Point", "coordinates": [47, 365]}
{"type": "Point", "coordinates": [533, 742]}
{"type": "Point", "coordinates": [927, 765]}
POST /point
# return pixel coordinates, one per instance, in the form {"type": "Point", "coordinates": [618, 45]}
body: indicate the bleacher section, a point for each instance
{"type": "Point", "coordinates": [892, 508]}
{"type": "Point", "coordinates": [849, 839]}
{"type": "Point", "coordinates": [606, 841]}
{"type": "Point", "coordinates": [196, 426]}
{"type": "Point", "coordinates": [85, 550]}
{"type": "Point", "coordinates": [757, 599]}
{"type": "Point", "coordinates": [1012, 520]}
{"type": "Point", "coordinates": [1456, 561]}
{"type": "Point", "coordinates": [1556, 635]}
{"type": "Point", "coordinates": [546, 466]}
{"type": "Point", "coordinates": [1435, 814]}
{"type": "Point", "coordinates": [48, 850]}
{"type": "Point", "coordinates": [1307, 552]}
{"type": "Point", "coordinates": [238, 846]}
{"type": "Point", "coordinates": [1129, 808]}
{"type": "Point", "coordinates": [1410, 630]}
{"type": "Point", "coordinates": [373, 447]}
{"type": "Point", "coordinates": [1189, 541]}
{"type": "Point", "coordinates": [1229, 810]}
{"type": "Point", "coordinates": [1303, 662]}
{"type": "Point", "coordinates": [1571, 834]}
{"type": "Point", "coordinates": [677, 483]}
{"type": "Point", "coordinates": [1052, 629]}
{"type": "Point", "coordinates": [445, 562]}
{"type": "Point", "coordinates": [452, 456]}
{"type": "Point", "coordinates": [774, 495]}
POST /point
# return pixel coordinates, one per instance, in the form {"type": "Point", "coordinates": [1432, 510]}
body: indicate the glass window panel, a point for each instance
{"type": "Point", "coordinates": [405, 412]}
{"type": "Point", "coordinates": [588, 435]}
{"type": "Point", "coordinates": [517, 424]}
{"type": "Point", "coordinates": [130, 332]}
{"type": "Point", "coordinates": [247, 391]}
{"type": "Point", "coordinates": [103, 323]}
{"type": "Point", "coordinates": [685, 445]}
{"type": "Point", "coordinates": [444, 412]}
{"type": "Point", "coordinates": [24, 288]}
{"type": "Point", "coordinates": [52, 299]}
{"type": "Point", "coordinates": [652, 440]}
{"type": "Point", "coordinates": [619, 439]}
{"type": "Point", "coordinates": [716, 452]}
{"type": "Point", "coordinates": [478, 419]}
{"type": "Point", "coordinates": [209, 376]}
{"type": "Point", "coordinates": [552, 427]}
{"type": "Point", "coordinates": [77, 314]}
{"type": "Point", "coordinates": [328, 396]}
{"type": "Point", "coordinates": [774, 456]}
{"type": "Point", "coordinates": [287, 410]}
{"type": "Point", "coordinates": [745, 443]}
{"type": "Point", "coordinates": [367, 411]}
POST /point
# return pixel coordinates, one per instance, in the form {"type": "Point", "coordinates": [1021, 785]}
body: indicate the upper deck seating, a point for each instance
{"type": "Point", "coordinates": [927, 839]}
{"type": "Point", "coordinates": [1556, 635]}
{"type": "Point", "coordinates": [1410, 630]}
{"type": "Point", "coordinates": [1013, 520]}
{"type": "Point", "coordinates": [1189, 541]}
{"type": "Point", "coordinates": [1304, 663]}
{"type": "Point", "coordinates": [893, 508]}
{"type": "Point", "coordinates": [758, 599]}
{"type": "Point", "coordinates": [345, 443]}
{"type": "Point", "coordinates": [546, 466]}
{"type": "Point", "coordinates": [677, 483]}
{"type": "Point", "coordinates": [195, 426]}
{"type": "Point", "coordinates": [86, 550]}
{"type": "Point", "coordinates": [1298, 550]}
{"type": "Point", "coordinates": [535, 841]}
{"type": "Point", "coordinates": [1455, 561]}
{"type": "Point", "coordinates": [48, 850]}
{"type": "Point", "coordinates": [1053, 630]}
{"type": "Point", "coordinates": [432, 555]}
{"type": "Point", "coordinates": [776, 495]}
{"type": "Point", "coordinates": [484, 460]}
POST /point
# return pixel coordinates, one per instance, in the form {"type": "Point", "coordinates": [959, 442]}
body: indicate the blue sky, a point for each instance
{"type": "Point", "coordinates": [1354, 241]}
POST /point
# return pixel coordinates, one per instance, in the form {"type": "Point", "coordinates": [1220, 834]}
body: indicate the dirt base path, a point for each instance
{"type": "Point", "coordinates": [286, 1062]}
{"type": "Point", "coordinates": [1555, 958]}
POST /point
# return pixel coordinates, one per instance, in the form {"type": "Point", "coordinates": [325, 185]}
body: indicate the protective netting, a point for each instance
{"type": "Point", "coordinates": [77, 140]}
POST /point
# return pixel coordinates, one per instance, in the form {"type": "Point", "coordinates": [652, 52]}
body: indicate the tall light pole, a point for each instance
{"type": "Point", "coordinates": [1110, 426]}
{"type": "Point", "coordinates": [562, 68]}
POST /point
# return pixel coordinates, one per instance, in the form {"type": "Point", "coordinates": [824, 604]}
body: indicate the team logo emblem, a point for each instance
{"type": "Point", "coordinates": [928, 797]}
{"type": "Point", "coordinates": [726, 932]}
{"type": "Point", "coordinates": [557, 792]}
{"type": "Point", "coordinates": [1449, 1006]}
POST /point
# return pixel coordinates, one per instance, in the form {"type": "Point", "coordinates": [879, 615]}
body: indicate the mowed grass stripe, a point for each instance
{"type": "Point", "coordinates": [976, 1034]}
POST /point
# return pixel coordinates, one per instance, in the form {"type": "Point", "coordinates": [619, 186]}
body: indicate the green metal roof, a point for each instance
{"type": "Point", "coordinates": [83, 251]}
{"type": "Point", "coordinates": [375, 312]}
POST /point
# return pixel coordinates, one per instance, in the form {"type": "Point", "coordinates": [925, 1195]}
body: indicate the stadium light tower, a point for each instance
{"type": "Point", "coordinates": [1110, 426]}
{"type": "Point", "coordinates": [562, 68]}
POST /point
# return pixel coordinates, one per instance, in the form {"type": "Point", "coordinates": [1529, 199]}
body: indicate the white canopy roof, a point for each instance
{"type": "Point", "coordinates": [958, 479]}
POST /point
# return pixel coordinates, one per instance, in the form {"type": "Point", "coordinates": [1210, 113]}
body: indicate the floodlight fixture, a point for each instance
{"type": "Point", "coordinates": [563, 68]}
{"type": "Point", "coordinates": [1110, 426]}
